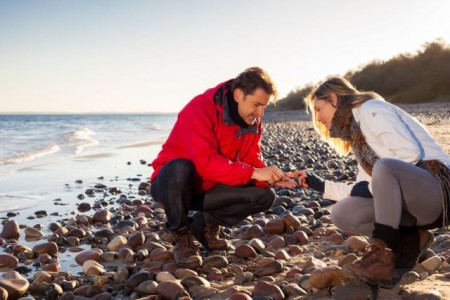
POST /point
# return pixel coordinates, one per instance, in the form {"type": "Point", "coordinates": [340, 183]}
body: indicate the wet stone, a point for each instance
{"type": "Point", "coordinates": [84, 207]}
{"type": "Point", "coordinates": [10, 230]}
{"type": "Point", "coordinates": [8, 261]}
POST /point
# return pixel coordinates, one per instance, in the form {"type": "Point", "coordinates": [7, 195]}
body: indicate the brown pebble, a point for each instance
{"type": "Point", "coordinates": [10, 230]}
{"type": "Point", "coordinates": [49, 248]}
{"type": "Point", "coordinates": [292, 221]}
{"type": "Point", "coordinates": [326, 277]}
{"type": "Point", "coordinates": [8, 261]}
{"type": "Point", "coordinates": [265, 289]}
{"type": "Point", "coordinates": [240, 296]}
{"type": "Point", "coordinates": [86, 255]}
{"type": "Point", "coordinates": [245, 251]}
{"type": "Point", "coordinates": [275, 226]}
{"type": "Point", "coordinates": [301, 236]}
{"type": "Point", "coordinates": [254, 231]}
{"type": "Point", "coordinates": [15, 287]}
{"type": "Point", "coordinates": [269, 269]}
{"type": "Point", "coordinates": [3, 294]}
{"type": "Point", "coordinates": [169, 289]}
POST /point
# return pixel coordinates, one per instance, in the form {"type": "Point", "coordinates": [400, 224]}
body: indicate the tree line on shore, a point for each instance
{"type": "Point", "coordinates": [405, 78]}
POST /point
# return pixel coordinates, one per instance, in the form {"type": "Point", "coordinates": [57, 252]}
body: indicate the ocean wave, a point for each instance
{"type": "Point", "coordinates": [80, 139]}
{"type": "Point", "coordinates": [155, 126]}
{"type": "Point", "coordinates": [31, 155]}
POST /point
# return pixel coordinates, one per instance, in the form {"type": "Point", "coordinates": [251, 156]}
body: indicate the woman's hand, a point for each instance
{"type": "Point", "coordinates": [299, 177]}
{"type": "Point", "coordinates": [309, 180]}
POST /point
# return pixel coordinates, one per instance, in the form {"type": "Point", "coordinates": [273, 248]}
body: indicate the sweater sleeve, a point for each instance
{"type": "Point", "coordinates": [197, 123]}
{"type": "Point", "coordinates": [336, 190]}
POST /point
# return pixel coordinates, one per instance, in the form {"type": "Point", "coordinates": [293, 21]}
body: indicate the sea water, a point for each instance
{"type": "Point", "coordinates": [37, 151]}
{"type": "Point", "coordinates": [29, 139]}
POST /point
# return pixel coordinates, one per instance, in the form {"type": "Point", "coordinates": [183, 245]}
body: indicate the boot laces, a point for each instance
{"type": "Point", "coordinates": [212, 232]}
{"type": "Point", "coordinates": [375, 255]}
{"type": "Point", "coordinates": [186, 243]}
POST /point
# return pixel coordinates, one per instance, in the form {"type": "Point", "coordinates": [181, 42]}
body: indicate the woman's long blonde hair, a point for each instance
{"type": "Point", "coordinates": [345, 91]}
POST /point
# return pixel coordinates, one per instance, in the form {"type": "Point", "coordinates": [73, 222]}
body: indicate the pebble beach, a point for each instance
{"type": "Point", "coordinates": [100, 235]}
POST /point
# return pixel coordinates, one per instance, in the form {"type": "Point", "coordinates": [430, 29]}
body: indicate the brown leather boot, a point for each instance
{"type": "Point", "coordinates": [208, 234]}
{"type": "Point", "coordinates": [186, 252]}
{"type": "Point", "coordinates": [413, 244]}
{"type": "Point", "coordinates": [376, 265]}
{"type": "Point", "coordinates": [212, 235]}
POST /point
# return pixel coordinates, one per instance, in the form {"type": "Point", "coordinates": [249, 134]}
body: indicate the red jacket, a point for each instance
{"type": "Point", "coordinates": [221, 151]}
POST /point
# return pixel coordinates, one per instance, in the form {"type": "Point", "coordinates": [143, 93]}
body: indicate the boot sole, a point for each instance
{"type": "Point", "coordinates": [386, 284]}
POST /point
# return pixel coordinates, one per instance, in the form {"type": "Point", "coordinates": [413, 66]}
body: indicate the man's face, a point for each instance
{"type": "Point", "coordinates": [251, 107]}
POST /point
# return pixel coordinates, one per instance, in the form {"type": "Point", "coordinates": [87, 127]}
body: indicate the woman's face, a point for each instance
{"type": "Point", "coordinates": [325, 110]}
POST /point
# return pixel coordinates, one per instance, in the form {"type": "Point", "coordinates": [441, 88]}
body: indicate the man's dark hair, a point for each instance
{"type": "Point", "coordinates": [253, 78]}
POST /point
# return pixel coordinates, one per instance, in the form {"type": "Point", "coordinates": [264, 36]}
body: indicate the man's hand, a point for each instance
{"type": "Point", "coordinates": [286, 182]}
{"type": "Point", "coordinates": [308, 180]}
{"type": "Point", "coordinates": [269, 174]}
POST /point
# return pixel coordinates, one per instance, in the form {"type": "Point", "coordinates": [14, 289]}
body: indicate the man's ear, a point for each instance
{"type": "Point", "coordinates": [334, 99]}
{"type": "Point", "coordinates": [238, 95]}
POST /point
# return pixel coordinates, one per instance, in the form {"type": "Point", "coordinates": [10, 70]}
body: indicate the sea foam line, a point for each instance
{"type": "Point", "coordinates": [31, 155]}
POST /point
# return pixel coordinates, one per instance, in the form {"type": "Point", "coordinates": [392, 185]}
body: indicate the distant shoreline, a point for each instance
{"type": "Point", "coordinates": [406, 106]}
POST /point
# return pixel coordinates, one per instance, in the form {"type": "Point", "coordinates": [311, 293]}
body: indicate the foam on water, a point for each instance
{"type": "Point", "coordinates": [156, 127]}
{"type": "Point", "coordinates": [80, 139]}
{"type": "Point", "coordinates": [30, 155]}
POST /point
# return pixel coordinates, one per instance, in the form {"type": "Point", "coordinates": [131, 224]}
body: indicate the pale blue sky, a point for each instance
{"type": "Point", "coordinates": [148, 56]}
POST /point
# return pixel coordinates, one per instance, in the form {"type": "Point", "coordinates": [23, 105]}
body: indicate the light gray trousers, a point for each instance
{"type": "Point", "coordinates": [403, 194]}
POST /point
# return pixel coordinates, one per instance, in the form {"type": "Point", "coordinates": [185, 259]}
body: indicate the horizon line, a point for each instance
{"type": "Point", "coordinates": [81, 113]}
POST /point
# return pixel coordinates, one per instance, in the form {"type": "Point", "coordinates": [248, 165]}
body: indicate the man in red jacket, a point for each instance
{"type": "Point", "coordinates": [211, 163]}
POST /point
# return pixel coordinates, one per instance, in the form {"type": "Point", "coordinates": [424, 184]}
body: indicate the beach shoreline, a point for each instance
{"type": "Point", "coordinates": [60, 188]}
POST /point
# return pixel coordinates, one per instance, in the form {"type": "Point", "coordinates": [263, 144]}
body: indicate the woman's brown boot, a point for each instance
{"type": "Point", "coordinates": [377, 264]}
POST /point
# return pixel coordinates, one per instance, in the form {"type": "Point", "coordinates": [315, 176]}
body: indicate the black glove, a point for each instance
{"type": "Point", "coordinates": [315, 182]}
{"type": "Point", "coordinates": [361, 189]}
